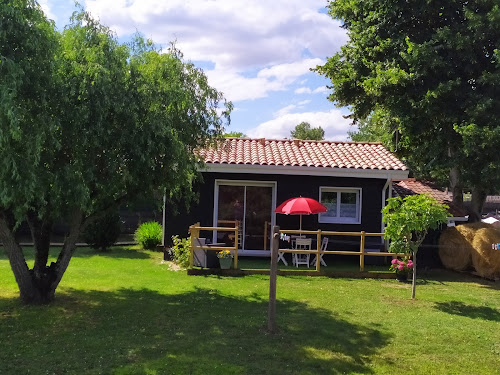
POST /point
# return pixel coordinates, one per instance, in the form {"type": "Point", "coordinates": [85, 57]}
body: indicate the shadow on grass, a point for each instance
{"type": "Point", "coordinates": [124, 252]}
{"type": "Point", "coordinates": [470, 311]}
{"type": "Point", "coordinates": [199, 332]}
{"type": "Point", "coordinates": [113, 252]}
{"type": "Point", "coordinates": [442, 276]}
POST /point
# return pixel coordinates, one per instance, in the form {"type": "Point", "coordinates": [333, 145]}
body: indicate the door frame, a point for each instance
{"type": "Point", "coordinates": [272, 184]}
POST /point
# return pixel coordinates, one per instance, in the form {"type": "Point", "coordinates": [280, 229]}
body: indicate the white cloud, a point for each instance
{"type": "Point", "coordinates": [236, 86]}
{"type": "Point", "coordinates": [303, 90]}
{"type": "Point", "coordinates": [285, 111]}
{"type": "Point", "coordinates": [304, 102]}
{"type": "Point", "coordinates": [332, 122]}
{"type": "Point", "coordinates": [230, 33]}
{"type": "Point", "coordinates": [320, 90]}
{"type": "Point", "coordinates": [44, 4]}
{"type": "Point", "coordinates": [307, 90]}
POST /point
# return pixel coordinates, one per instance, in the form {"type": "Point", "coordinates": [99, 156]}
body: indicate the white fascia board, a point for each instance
{"type": "Point", "coordinates": [306, 171]}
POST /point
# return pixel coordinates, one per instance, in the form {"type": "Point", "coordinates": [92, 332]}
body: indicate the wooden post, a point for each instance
{"type": "Point", "coordinates": [191, 247]}
{"type": "Point", "coordinates": [265, 235]}
{"type": "Point", "coordinates": [362, 251]}
{"type": "Point", "coordinates": [318, 249]}
{"type": "Point", "coordinates": [271, 314]}
{"type": "Point", "coordinates": [236, 245]}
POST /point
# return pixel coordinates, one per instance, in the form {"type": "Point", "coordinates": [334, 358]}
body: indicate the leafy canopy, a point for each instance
{"type": "Point", "coordinates": [304, 131]}
{"type": "Point", "coordinates": [86, 124]}
{"type": "Point", "coordinates": [434, 68]}
{"type": "Point", "coordinates": [409, 219]}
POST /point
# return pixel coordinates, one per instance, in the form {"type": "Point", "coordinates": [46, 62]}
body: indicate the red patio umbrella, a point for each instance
{"type": "Point", "coordinates": [300, 206]}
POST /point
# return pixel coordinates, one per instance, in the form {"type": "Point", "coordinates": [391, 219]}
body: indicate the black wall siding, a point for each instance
{"type": "Point", "coordinates": [288, 186]}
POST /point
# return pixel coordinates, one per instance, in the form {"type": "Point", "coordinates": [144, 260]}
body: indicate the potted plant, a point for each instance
{"type": "Point", "coordinates": [401, 268]}
{"type": "Point", "coordinates": [225, 259]}
{"type": "Point", "coordinates": [407, 222]}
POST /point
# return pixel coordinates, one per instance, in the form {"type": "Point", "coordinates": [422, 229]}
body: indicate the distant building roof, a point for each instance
{"type": "Point", "coordinates": [413, 186]}
{"type": "Point", "coordinates": [303, 153]}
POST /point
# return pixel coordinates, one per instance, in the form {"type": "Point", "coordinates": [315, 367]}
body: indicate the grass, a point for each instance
{"type": "Point", "coordinates": [125, 312]}
{"type": "Point", "coordinates": [334, 264]}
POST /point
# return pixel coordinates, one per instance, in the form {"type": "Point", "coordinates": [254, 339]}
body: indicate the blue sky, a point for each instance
{"type": "Point", "coordinates": [258, 53]}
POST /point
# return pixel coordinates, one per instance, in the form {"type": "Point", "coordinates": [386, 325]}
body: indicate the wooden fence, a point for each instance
{"type": "Point", "coordinates": [319, 234]}
{"type": "Point", "coordinates": [362, 253]}
{"type": "Point", "coordinates": [195, 230]}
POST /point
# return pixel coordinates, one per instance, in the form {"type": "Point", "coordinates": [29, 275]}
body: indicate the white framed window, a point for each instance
{"type": "Point", "coordinates": [344, 205]}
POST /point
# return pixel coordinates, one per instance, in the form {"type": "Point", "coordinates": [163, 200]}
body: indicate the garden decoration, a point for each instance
{"type": "Point", "coordinates": [401, 268]}
{"type": "Point", "coordinates": [407, 222]}
{"type": "Point", "coordinates": [225, 259]}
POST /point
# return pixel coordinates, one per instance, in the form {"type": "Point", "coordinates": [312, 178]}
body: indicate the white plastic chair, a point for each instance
{"type": "Point", "coordinates": [324, 245]}
{"type": "Point", "coordinates": [281, 256]}
{"type": "Point", "coordinates": [302, 244]}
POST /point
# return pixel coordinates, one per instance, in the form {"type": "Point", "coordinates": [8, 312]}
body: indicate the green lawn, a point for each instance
{"type": "Point", "coordinates": [125, 312]}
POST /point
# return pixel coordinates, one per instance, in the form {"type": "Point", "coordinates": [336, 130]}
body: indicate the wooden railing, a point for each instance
{"type": "Point", "coordinates": [195, 230]}
{"type": "Point", "coordinates": [319, 233]}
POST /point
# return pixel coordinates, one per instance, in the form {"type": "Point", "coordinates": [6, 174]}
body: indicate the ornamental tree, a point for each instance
{"type": "Point", "coordinates": [407, 222]}
{"type": "Point", "coordinates": [88, 124]}
{"type": "Point", "coordinates": [433, 68]}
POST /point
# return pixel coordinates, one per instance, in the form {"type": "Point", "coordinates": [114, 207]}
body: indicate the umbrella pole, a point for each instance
{"type": "Point", "coordinates": [300, 228]}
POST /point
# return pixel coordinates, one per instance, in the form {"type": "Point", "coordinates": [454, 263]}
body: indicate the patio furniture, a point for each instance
{"type": "Point", "coordinates": [281, 256]}
{"type": "Point", "coordinates": [204, 258]}
{"type": "Point", "coordinates": [324, 244]}
{"type": "Point", "coordinates": [302, 244]}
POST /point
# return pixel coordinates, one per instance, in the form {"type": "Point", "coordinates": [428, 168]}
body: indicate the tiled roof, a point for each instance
{"type": "Point", "coordinates": [301, 153]}
{"type": "Point", "coordinates": [413, 186]}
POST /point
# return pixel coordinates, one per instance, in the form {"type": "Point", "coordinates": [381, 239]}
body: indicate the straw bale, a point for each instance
{"type": "Point", "coordinates": [455, 248]}
{"type": "Point", "coordinates": [485, 260]}
{"type": "Point", "coordinates": [468, 231]}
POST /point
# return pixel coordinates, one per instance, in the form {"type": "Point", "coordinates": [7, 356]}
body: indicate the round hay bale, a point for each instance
{"type": "Point", "coordinates": [455, 250]}
{"type": "Point", "coordinates": [485, 260]}
{"type": "Point", "coordinates": [468, 231]}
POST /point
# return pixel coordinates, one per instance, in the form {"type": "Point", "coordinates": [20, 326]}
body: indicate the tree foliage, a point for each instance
{"type": "Point", "coordinates": [235, 135]}
{"type": "Point", "coordinates": [88, 123]}
{"type": "Point", "coordinates": [407, 222]}
{"type": "Point", "coordinates": [377, 127]}
{"type": "Point", "coordinates": [304, 131]}
{"type": "Point", "coordinates": [434, 66]}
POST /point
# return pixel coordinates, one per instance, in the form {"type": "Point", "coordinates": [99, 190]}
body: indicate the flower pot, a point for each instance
{"type": "Point", "coordinates": [402, 276]}
{"type": "Point", "coordinates": [225, 263]}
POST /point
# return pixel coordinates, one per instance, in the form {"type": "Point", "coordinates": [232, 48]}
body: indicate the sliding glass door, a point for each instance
{"type": "Point", "coordinates": [248, 205]}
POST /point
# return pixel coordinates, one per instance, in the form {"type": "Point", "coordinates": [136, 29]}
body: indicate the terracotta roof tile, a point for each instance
{"type": "Point", "coordinates": [314, 154]}
{"type": "Point", "coordinates": [413, 186]}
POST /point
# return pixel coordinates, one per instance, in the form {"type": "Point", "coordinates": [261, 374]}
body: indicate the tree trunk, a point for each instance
{"type": "Point", "coordinates": [19, 267]}
{"type": "Point", "coordinates": [456, 186]}
{"type": "Point", "coordinates": [40, 232]}
{"type": "Point", "coordinates": [76, 226]}
{"type": "Point", "coordinates": [414, 279]}
{"type": "Point", "coordinates": [39, 287]}
{"type": "Point", "coordinates": [477, 202]}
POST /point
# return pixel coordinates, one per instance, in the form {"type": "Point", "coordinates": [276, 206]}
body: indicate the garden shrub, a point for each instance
{"type": "Point", "coordinates": [181, 250]}
{"type": "Point", "coordinates": [148, 235]}
{"type": "Point", "coordinates": [103, 232]}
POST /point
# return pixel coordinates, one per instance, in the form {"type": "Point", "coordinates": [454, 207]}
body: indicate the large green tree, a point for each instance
{"type": "Point", "coordinates": [377, 127]}
{"type": "Point", "coordinates": [434, 67]}
{"type": "Point", "coordinates": [87, 124]}
{"type": "Point", "coordinates": [304, 131]}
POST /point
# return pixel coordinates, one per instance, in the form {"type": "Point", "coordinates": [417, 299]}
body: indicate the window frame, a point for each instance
{"type": "Point", "coordinates": [337, 219]}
